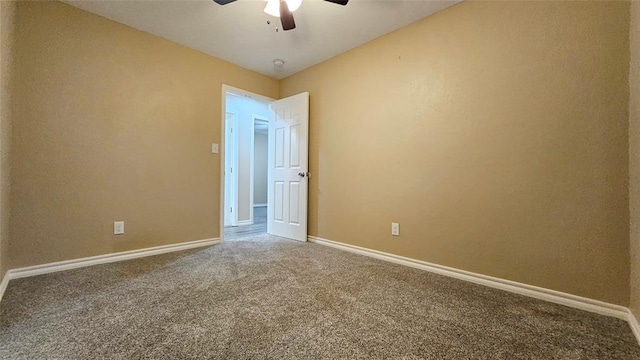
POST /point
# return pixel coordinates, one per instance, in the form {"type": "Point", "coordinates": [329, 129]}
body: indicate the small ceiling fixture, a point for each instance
{"type": "Point", "coordinates": [283, 9]}
{"type": "Point", "coordinates": [278, 63]}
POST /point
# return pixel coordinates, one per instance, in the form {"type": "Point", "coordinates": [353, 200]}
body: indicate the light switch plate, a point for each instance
{"type": "Point", "coordinates": [214, 148]}
{"type": "Point", "coordinates": [118, 228]}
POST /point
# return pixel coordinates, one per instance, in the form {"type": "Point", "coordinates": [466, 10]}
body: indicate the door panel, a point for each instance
{"type": "Point", "coordinates": [294, 147]}
{"type": "Point", "coordinates": [294, 202]}
{"type": "Point", "coordinates": [279, 144]}
{"type": "Point", "coordinates": [288, 167]}
{"type": "Point", "coordinates": [279, 201]}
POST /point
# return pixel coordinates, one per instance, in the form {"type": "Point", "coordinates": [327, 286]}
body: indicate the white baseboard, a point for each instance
{"type": "Point", "coordinates": [259, 205]}
{"type": "Point", "coordinates": [633, 323]}
{"type": "Point", "coordinates": [3, 285]}
{"type": "Point", "coordinates": [245, 222]}
{"type": "Point", "coordinates": [574, 301]}
{"type": "Point", "coordinates": [104, 259]}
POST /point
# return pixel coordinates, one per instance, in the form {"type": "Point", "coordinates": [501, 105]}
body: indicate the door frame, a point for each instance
{"type": "Point", "coordinates": [223, 110]}
{"type": "Point", "coordinates": [252, 162]}
{"type": "Point", "coordinates": [234, 158]}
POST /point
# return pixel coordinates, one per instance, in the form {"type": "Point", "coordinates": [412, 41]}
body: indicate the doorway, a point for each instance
{"type": "Point", "coordinates": [260, 173]}
{"type": "Point", "coordinates": [244, 116]}
{"type": "Point", "coordinates": [245, 146]}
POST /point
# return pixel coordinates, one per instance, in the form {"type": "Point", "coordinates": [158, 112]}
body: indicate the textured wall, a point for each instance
{"type": "Point", "coordinates": [495, 133]}
{"type": "Point", "coordinates": [7, 12]}
{"type": "Point", "coordinates": [111, 123]}
{"type": "Point", "coordinates": [634, 155]}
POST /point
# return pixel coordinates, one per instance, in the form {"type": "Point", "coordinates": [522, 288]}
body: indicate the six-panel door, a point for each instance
{"type": "Point", "coordinates": [288, 167]}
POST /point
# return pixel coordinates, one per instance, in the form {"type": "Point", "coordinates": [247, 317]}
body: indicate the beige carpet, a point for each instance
{"type": "Point", "coordinates": [270, 298]}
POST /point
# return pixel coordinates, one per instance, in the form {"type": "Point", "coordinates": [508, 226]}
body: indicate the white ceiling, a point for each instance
{"type": "Point", "coordinates": [238, 32]}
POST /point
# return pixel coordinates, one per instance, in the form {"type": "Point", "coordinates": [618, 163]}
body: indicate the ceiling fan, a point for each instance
{"type": "Point", "coordinates": [285, 10]}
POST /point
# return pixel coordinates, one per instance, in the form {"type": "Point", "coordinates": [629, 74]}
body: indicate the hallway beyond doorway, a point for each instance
{"type": "Point", "coordinates": [259, 226]}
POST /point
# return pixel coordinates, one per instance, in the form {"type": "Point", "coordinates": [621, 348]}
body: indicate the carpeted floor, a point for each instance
{"type": "Point", "coordinates": [270, 298]}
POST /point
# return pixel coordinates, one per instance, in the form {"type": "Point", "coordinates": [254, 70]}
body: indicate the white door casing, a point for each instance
{"type": "Point", "coordinates": [231, 170]}
{"type": "Point", "coordinates": [288, 167]}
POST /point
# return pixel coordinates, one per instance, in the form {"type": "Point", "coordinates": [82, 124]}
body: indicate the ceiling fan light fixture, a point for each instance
{"type": "Point", "coordinates": [273, 6]}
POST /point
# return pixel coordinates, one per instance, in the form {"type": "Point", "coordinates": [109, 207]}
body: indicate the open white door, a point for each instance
{"type": "Point", "coordinates": [288, 167]}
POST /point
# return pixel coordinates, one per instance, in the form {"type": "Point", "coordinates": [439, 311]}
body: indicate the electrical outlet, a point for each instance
{"type": "Point", "coordinates": [395, 229]}
{"type": "Point", "coordinates": [214, 148]}
{"type": "Point", "coordinates": [118, 228]}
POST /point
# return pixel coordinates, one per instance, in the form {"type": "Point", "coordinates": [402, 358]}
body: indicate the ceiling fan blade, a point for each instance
{"type": "Point", "coordinates": [286, 16]}
{"type": "Point", "coordinates": [339, 2]}
{"type": "Point", "coordinates": [223, 2]}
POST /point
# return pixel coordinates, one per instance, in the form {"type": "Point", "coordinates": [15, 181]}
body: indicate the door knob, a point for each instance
{"type": "Point", "coordinates": [301, 174]}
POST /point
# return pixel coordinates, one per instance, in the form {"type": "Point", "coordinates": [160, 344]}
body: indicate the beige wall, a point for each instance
{"type": "Point", "coordinates": [111, 123]}
{"type": "Point", "coordinates": [7, 12]}
{"type": "Point", "coordinates": [634, 155]}
{"type": "Point", "coordinates": [495, 133]}
{"type": "Point", "coordinates": [261, 148]}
